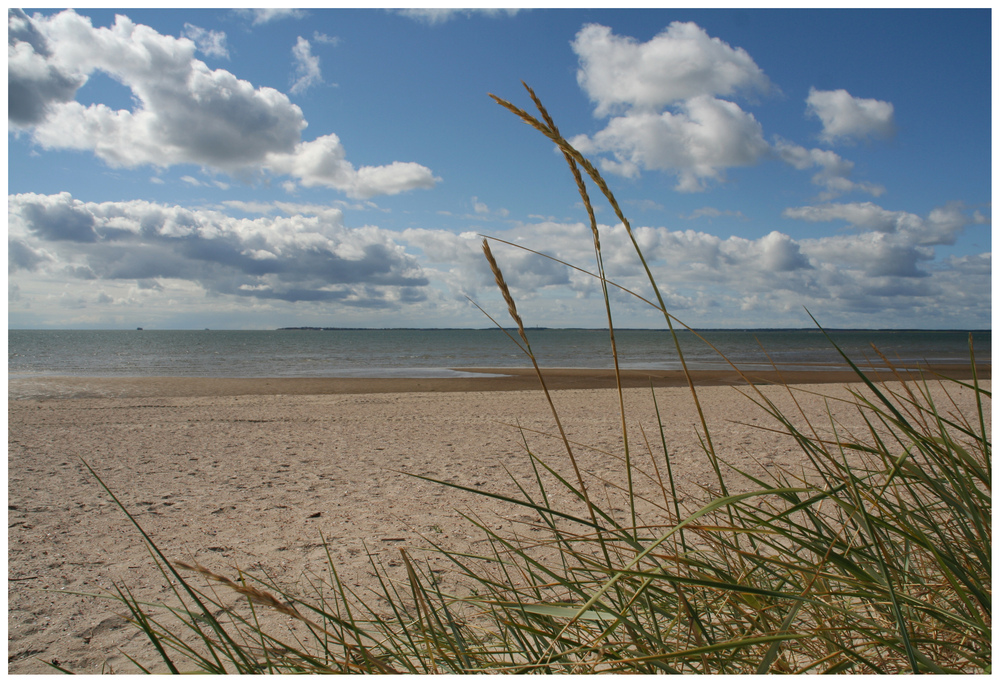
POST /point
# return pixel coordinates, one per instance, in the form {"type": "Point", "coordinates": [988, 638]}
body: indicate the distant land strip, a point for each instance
{"type": "Point", "coordinates": [641, 329]}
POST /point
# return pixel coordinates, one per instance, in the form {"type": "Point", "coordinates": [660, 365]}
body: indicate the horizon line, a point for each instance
{"type": "Point", "coordinates": [307, 328]}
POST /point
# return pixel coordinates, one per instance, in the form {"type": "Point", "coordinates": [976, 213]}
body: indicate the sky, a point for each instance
{"type": "Point", "coordinates": [256, 169]}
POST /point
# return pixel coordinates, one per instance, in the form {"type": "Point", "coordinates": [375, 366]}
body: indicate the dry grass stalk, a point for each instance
{"type": "Point", "coordinates": [504, 290]}
{"type": "Point", "coordinates": [255, 595]}
{"type": "Point", "coordinates": [512, 308]}
{"type": "Point", "coordinates": [261, 597]}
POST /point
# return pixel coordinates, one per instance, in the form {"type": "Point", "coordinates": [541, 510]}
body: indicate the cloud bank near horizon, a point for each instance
{"type": "Point", "coordinates": [884, 259]}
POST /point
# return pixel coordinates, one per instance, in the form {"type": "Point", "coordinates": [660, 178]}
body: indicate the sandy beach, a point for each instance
{"type": "Point", "coordinates": [251, 473]}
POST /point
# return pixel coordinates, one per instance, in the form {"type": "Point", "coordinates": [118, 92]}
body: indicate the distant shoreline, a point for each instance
{"type": "Point", "coordinates": [485, 329]}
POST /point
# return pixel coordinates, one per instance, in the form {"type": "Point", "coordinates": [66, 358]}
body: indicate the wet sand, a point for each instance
{"type": "Point", "coordinates": [491, 379]}
{"type": "Point", "coordinates": [251, 473]}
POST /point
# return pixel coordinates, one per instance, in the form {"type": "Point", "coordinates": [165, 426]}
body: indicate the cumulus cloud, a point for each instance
{"type": "Point", "coordinates": [685, 262]}
{"type": "Point", "coordinates": [186, 113]}
{"type": "Point", "coordinates": [682, 68]}
{"type": "Point", "coordinates": [34, 82]}
{"type": "Point", "coordinates": [873, 254]}
{"type": "Point", "coordinates": [708, 276]}
{"type": "Point", "coordinates": [293, 258]}
{"type": "Point", "coordinates": [780, 254]}
{"type": "Point", "coordinates": [846, 117]}
{"type": "Point", "coordinates": [681, 62]}
{"type": "Point", "coordinates": [698, 142]}
{"type": "Point", "coordinates": [20, 256]}
{"type": "Point", "coordinates": [322, 162]}
{"type": "Point", "coordinates": [669, 104]}
{"type": "Point", "coordinates": [307, 72]}
{"type": "Point", "coordinates": [894, 244]}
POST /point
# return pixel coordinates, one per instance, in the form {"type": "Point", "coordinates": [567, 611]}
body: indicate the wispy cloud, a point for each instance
{"type": "Point", "coordinates": [307, 71]}
{"type": "Point", "coordinates": [260, 16]}
{"type": "Point", "coordinates": [439, 16]}
{"type": "Point", "coordinates": [711, 212]}
{"type": "Point", "coordinates": [835, 171]}
{"type": "Point", "coordinates": [211, 43]}
{"type": "Point", "coordinates": [484, 211]}
{"type": "Point", "coordinates": [325, 39]}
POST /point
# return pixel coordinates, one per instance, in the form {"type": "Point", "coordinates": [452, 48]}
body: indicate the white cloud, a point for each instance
{"type": "Point", "coordinates": [667, 112]}
{"type": "Point", "coordinates": [710, 279]}
{"type": "Point", "coordinates": [780, 254]}
{"type": "Point", "coordinates": [322, 162]}
{"type": "Point", "coordinates": [678, 64]}
{"type": "Point", "coordinates": [835, 171]}
{"type": "Point", "coordinates": [186, 113]}
{"type": "Point", "coordinates": [397, 177]}
{"type": "Point", "coordinates": [682, 68]}
{"type": "Point", "coordinates": [212, 43]}
{"type": "Point", "coordinates": [706, 136]}
{"type": "Point", "coordinates": [307, 72]}
{"type": "Point", "coordinates": [846, 117]}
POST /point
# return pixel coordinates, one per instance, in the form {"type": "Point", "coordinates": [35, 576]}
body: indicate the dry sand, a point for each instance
{"type": "Point", "coordinates": [250, 473]}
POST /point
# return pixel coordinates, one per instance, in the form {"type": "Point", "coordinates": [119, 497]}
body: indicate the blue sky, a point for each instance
{"type": "Point", "coordinates": [250, 169]}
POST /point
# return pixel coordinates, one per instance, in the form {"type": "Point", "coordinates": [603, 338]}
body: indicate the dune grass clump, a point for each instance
{"type": "Point", "coordinates": [874, 558]}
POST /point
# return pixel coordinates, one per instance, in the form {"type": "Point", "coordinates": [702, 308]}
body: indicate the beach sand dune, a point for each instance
{"type": "Point", "coordinates": [254, 479]}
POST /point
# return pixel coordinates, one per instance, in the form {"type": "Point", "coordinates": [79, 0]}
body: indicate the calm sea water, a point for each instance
{"type": "Point", "coordinates": [438, 353]}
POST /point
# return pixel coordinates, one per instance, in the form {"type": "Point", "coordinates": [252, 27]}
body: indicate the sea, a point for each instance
{"type": "Point", "coordinates": [447, 352]}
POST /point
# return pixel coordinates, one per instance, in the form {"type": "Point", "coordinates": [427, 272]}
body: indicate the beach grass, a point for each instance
{"type": "Point", "coordinates": [874, 558]}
